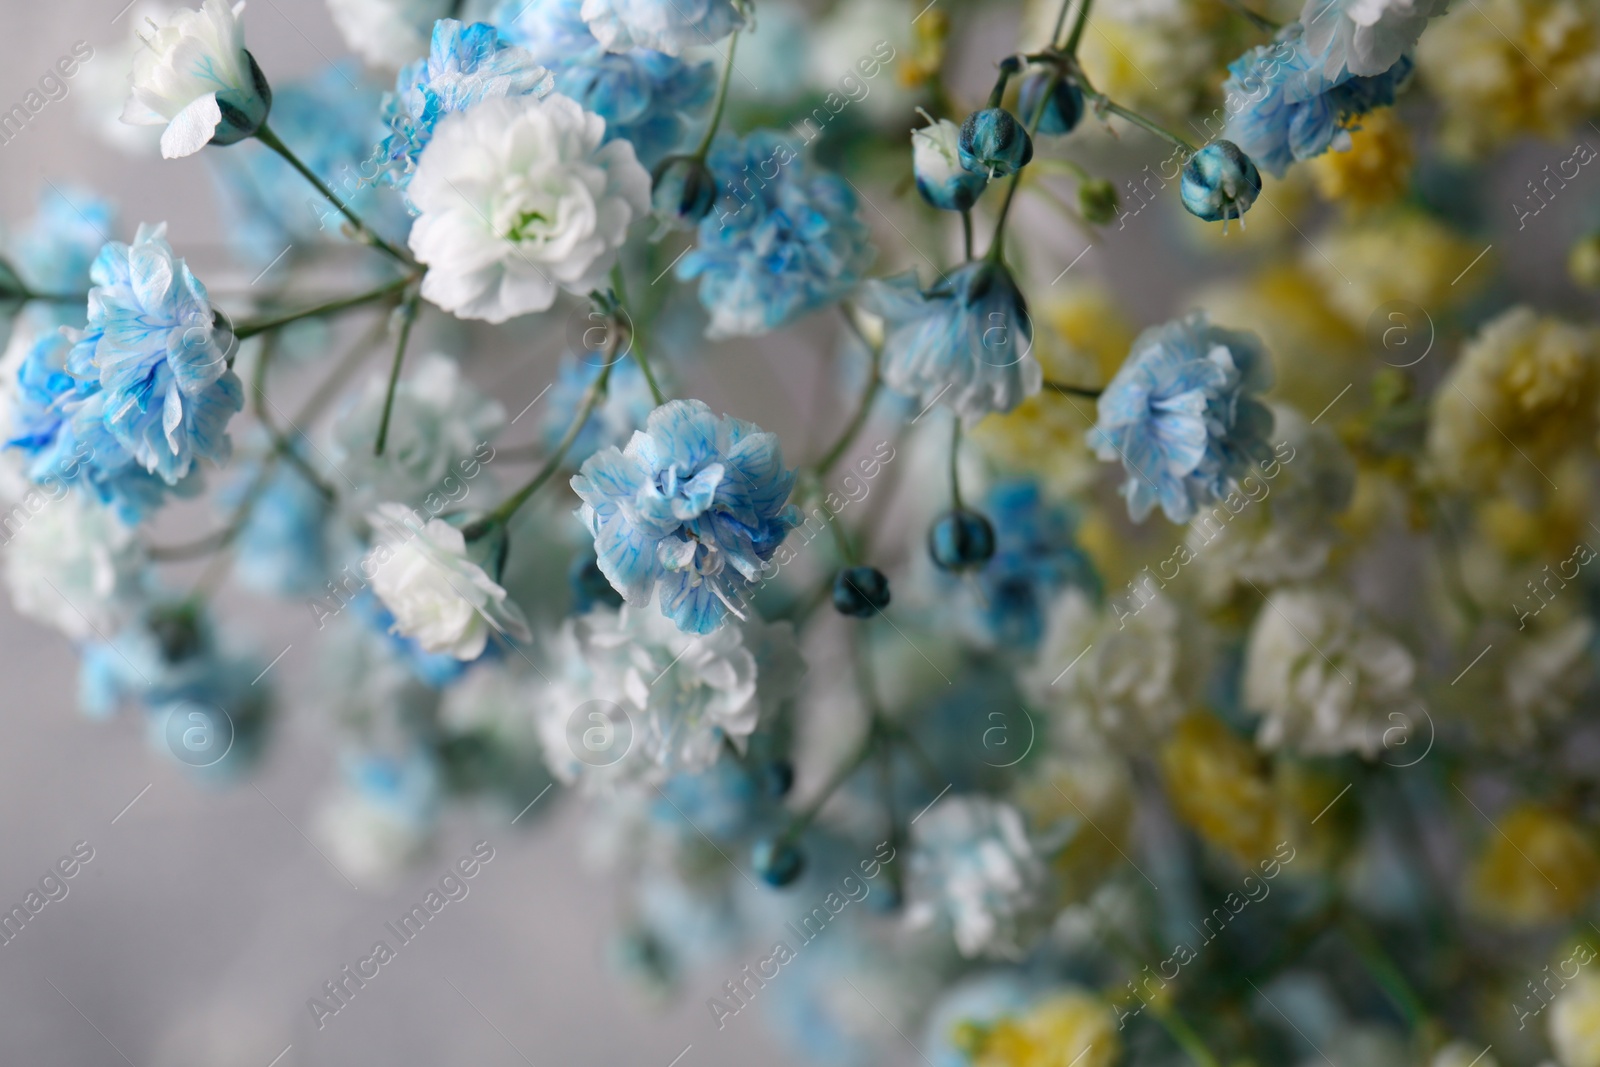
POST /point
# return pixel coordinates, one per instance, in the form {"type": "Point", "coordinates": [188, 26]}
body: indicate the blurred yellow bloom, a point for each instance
{"type": "Point", "coordinates": [1375, 171]}
{"type": "Point", "coordinates": [1219, 785]}
{"type": "Point", "coordinates": [1090, 789]}
{"type": "Point", "coordinates": [1501, 68]}
{"type": "Point", "coordinates": [1081, 338]}
{"type": "Point", "coordinates": [1538, 866]}
{"type": "Point", "coordinates": [1070, 1029]}
{"type": "Point", "coordinates": [1575, 1023]}
{"type": "Point", "coordinates": [1399, 255]}
{"type": "Point", "coordinates": [1523, 394]}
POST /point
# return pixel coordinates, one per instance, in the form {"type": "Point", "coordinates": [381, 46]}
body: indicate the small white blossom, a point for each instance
{"type": "Point", "coordinates": [70, 563]}
{"type": "Point", "coordinates": [518, 199]}
{"type": "Point", "coordinates": [439, 597]}
{"type": "Point", "coordinates": [1365, 37]}
{"type": "Point", "coordinates": [192, 67]}
{"type": "Point", "coordinates": [681, 694]}
{"type": "Point", "coordinates": [1326, 681]}
{"type": "Point", "coordinates": [668, 26]}
{"type": "Point", "coordinates": [1574, 1022]}
{"type": "Point", "coordinates": [971, 861]}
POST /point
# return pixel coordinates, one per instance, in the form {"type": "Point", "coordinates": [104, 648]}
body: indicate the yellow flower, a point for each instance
{"type": "Point", "coordinates": [1220, 786]}
{"type": "Point", "coordinates": [1375, 171]}
{"type": "Point", "coordinates": [1081, 340]}
{"type": "Point", "coordinates": [1070, 1029]}
{"type": "Point", "coordinates": [1501, 68]}
{"type": "Point", "coordinates": [1522, 396]}
{"type": "Point", "coordinates": [1400, 255]}
{"type": "Point", "coordinates": [1538, 867]}
{"type": "Point", "coordinates": [1575, 1023]}
{"type": "Point", "coordinates": [1089, 788]}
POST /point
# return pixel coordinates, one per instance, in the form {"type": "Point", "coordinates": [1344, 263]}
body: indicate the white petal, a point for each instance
{"type": "Point", "coordinates": [192, 129]}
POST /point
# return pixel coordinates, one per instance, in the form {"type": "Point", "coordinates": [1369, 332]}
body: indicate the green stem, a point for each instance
{"type": "Point", "coordinates": [955, 455]}
{"type": "Point", "coordinates": [966, 233]}
{"type": "Point", "coordinates": [1260, 22]}
{"type": "Point", "coordinates": [1071, 47]}
{"type": "Point", "coordinates": [1385, 972]}
{"type": "Point", "coordinates": [840, 775]}
{"type": "Point", "coordinates": [407, 317]}
{"type": "Point", "coordinates": [1107, 104]}
{"type": "Point", "coordinates": [591, 399]}
{"type": "Point", "coordinates": [365, 232]}
{"type": "Point", "coordinates": [636, 349]}
{"type": "Point", "coordinates": [246, 330]}
{"type": "Point", "coordinates": [857, 421]}
{"type": "Point", "coordinates": [1074, 390]}
{"type": "Point", "coordinates": [1178, 1028]}
{"type": "Point", "coordinates": [722, 100]}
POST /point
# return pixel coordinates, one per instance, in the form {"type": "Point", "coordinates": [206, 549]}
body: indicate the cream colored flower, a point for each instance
{"type": "Point", "coordinates": [1574, 1022]}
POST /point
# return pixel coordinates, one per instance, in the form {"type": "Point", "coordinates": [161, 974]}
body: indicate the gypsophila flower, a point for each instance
{"type": "Point", "coordinates": [195, 78]}
{"type": "Point", "coordinates": [1182, 417]}
{"type": "Point", "coordinates": [684, 695]}
{"type": "Point", "coordinates": [1574, 1022]}
{"type": "Point", "coordinates": [441, 433]}
{"type": "Point", "coordinates": [165, 390]}
{"type": "Point", "coordinates": [1325, 681]}
{"type": "Point", "coordinates": [466, 65]}
{"type": "Point", "coordinates": [385, 815]}
{"type": "Point", "coordinates": [966, 342]}
{"type": "Point", "coordinates": [388, 33]}
{"type": "Point", "coordinates": [936, 161]}
{"type": "Point", "coordinates": [54, 252]}
{"type": "Point", "coordinates": [627, 404]}
{"type": "Point", "coordinates": [780, 241]}
{"type": "Point", "coordinates": [1364, 37]}
{"type": "Point", "coordinates": [667, 26]}
{"type": "Point", "coordinates": [519, 199]}
{"type": "Point", "coordinates": [439, 596]}
{"type": "Point", "coordinates": [1282, 106]}
{"type": "Point", "coordinates": [72, 565]}
{"type": "Point", "coordinates": [972, 863]}
{"type": "Point", "coordinates": [645, 96]}
{"type": "Point", "coordinates": [689, 510]}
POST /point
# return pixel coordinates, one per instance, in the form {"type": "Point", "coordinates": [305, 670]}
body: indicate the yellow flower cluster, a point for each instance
{"type": "Point", "coordinates": [1220, 786]}
{"type": "Point", "coordinates": [1524, 394]}
{"type": "Point", "coordinates": [1069, 1029]}
{"type": "Point", "coordinates": [1501, 68]}
{"type": "Point", "coordinates": [1081, 339]}
{"type": "Point", "coordinates": [1375, 171]}
{"type": "Point", "coordinates": [1538, 866]}
{"type": "Point", "coordinates": [1400, 255]}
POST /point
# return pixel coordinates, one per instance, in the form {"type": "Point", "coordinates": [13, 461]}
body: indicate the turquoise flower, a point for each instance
{"type": "Point", "coordinates": [690, 509]}
{"type": "Point", "coordinates": [780, 242]}
{"type": "Point", "coordinates": [466, 65]}
{"type": "Point", "coordinates": [1183, 417]}
{"type": "Point", "coordinates": [1283, 108]}
{"type": "Point", "coordinates": [966, 343]}
{"type": "Point", "coordinates": [165, 390]}
{"type": "Point", "coordinates": [54, 251]}
{"type": "Point", "coordinates": [645, 96]}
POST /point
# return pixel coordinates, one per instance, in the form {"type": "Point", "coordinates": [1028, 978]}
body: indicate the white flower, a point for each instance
{"type": "Point", "coordinates": [519, 198]}
{"type": "Point", "coordinates": [1462, 1054]}
{"type": "Point", "coordinates": [971, 861]}
{"type": "Point", "coordinates": [1113, 674]}
{"type": "Point", "coordinates": [1326, 681]}
{"type": "Point", "coordinates": [70, 563]}
{"type": "Point", "coordinates": [1365, 37]}
{"type": "Point", "coordinates": [670, 698]}
{"type": "Point", "coordinates": [1545, 676]}
{"type": "Point", "coordinates": [387, 33]}
{"type": "Point", "coordinates": [667, 26]}
{"type": "Point", "coordinates": [1575, 1023]}
{"type": "Point", "coordinates": [439, 438]}
{"type": "Point", "coordinates": [194, 77]}
{"type": "Point", "coordinates": [439, 597]}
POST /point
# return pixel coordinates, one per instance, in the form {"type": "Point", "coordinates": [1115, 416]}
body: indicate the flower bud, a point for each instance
{"type": "Point", "coordinates": [994, 143]}
{"type": "Point", "coordinates": [942, 179]}
{"type": "Point", "coordinates": [1097, 200]}
{"type": "Point", "coordinates": [683, 191]}
{"type": "Point", "coordinates": [1220, 182]}
{"type": "Point", "coordinates": [1063, 108]}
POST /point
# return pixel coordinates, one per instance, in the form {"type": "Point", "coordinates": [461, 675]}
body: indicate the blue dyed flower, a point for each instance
{"type": "Point", "coordinates": [1283, 107]}
{"type": "Point", "coordinates": [433, 669]}
{"type": "Point", "coordinates": [1182, 415]}
{"type": "Point", "coordinates": [282, 547]}
{"type": "Point", "coordinates": [467, 64]}
{"type": "Point", "coordinates": [966, 343]}
{"type": "Point", "coordinates": [645, 96]}
{"type": "Point", "coordinates": [936, 162]}
{"type": "Point", "coordinates": [667, 26]}
{"type": "Point", "coordinates": [54, 252]}
{"type": "Point", "coordinates": [692, 507]}
{"type": "Point", "coordinates": [627, 404]}
{"type": "Point", "coordinates": [780, 242]}
{"type": "Point", "coordinates": [332, 128]}
{"type": "Point", "coordinates": [1220, 182]}
{"type": "Point", "coordinates": [993, 143]}
{"type": "Point", "coordinates": [1036, 556]}
{"type": "Point", "coordinates": [166, 393]}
